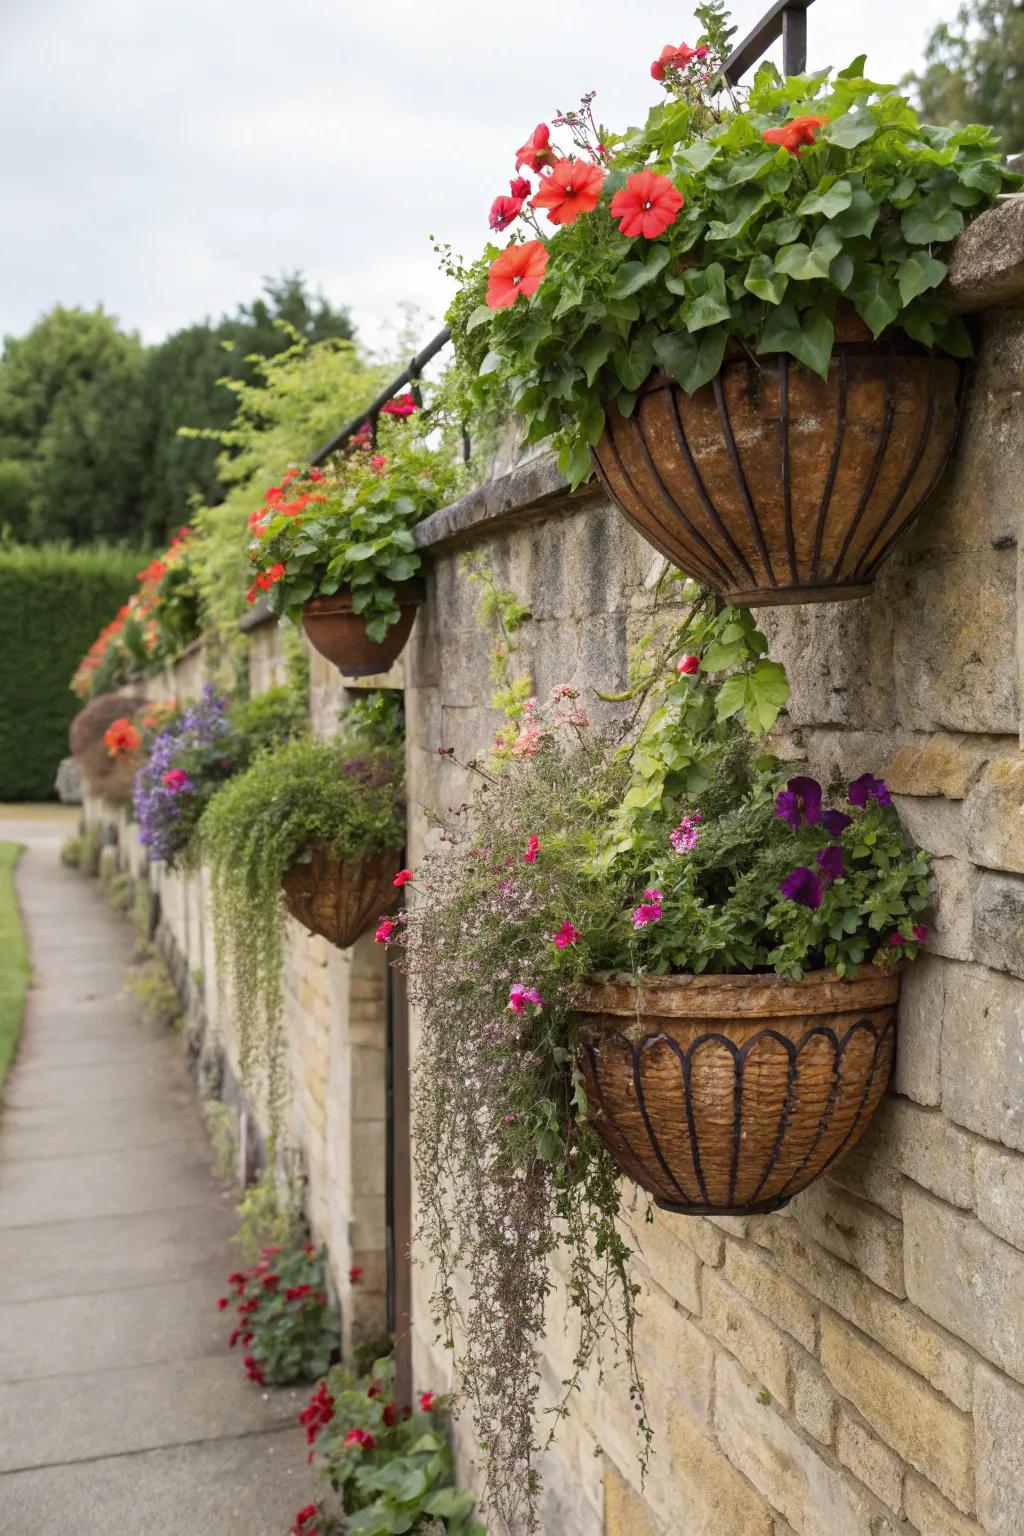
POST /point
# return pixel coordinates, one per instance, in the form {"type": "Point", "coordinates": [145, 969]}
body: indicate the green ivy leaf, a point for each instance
{"type": "Point", "coordinates": [807, 337]}
{"type": "Point", "coordinates": [861, 216]}
{"type": "Point", "coordinates": [491, 362]}
{"type": "Point", "coordinates": [836, 199]}
{"type": "Point", "coordinates": [763, 280]}
{"type": "Point", "coordinates": [692, 360]}
{"type": "Point", "coordinates": [479, 316]}
{"type": "Point", "coordinates": [919, 273]}
{"type": "Point", "coordinates": [932, 219]}
{"type": "Point", "coordinates": [593, 356]}
{"type": "Point", "coordinates": [851, 129]}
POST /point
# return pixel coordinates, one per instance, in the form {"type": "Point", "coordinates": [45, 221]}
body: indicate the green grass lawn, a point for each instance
{"type": "Point", "coordinates": [14, 968]}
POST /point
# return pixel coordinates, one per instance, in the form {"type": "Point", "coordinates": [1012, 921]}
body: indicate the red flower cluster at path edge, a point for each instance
{"type": "Point", "coordinates": [285, 1319]}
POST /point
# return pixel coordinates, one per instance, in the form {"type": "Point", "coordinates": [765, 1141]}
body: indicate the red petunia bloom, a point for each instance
{"type": "Point", "coordinates": [505, 211]}
{"type": "Point", "coordinates": [572, 188]}
{"type": "Point", "coordinates": [537, 150]}
{"type": "Point", "coordinates": [646, 205]}
{"type": "Point", "coordinates": [671, 57]}
{"type": "Point", "coordinates": [402, 405]}
{"type": "Point", "coordinates": [403, 877]}
{"type": "Point", "coordinates": [795, 134]}
{"type": "Point", "coordinates": [520, 187]}
{"type": "Point", "coordinates": [518, 270]}
{"type": "Point", "coordinates": [385, 929]}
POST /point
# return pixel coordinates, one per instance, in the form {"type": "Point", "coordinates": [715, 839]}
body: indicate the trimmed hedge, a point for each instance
{"type": "Point", "coordinates": [53, 602]}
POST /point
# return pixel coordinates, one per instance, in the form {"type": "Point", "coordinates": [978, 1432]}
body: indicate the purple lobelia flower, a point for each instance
{"type": "Point", "coordinates": [801, 798]}
{"type": "Point", "coordinates": [830, 863]}
{"type": "Point", "coordinates": [803, 887]}
{"type": "Point", "coordinates": [867, 788]}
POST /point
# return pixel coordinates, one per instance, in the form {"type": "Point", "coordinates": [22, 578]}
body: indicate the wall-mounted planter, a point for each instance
{"type": "Point", "coordinates": [339, 633]}
{"type": "Point", "coordinates": [771, 485]}
{"type": "Point", "coordinates": [726, 1095]}
{"type": "Point", "coordinates": [340, 899]}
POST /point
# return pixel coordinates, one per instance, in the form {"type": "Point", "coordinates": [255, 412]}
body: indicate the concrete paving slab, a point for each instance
{"type": "Point", "coordinates": [243, 1487]}
{"type": "Point", "coordinates": [104, 1127]}
{"type": "Point", "coordinates": [67, 1085]}
{"type": "Point", "coordinates": [47, 1189]}
{"type": "Point", "coordinates": [113, 1413]}
{"type": "Point", "coordinates": [118, 1252]}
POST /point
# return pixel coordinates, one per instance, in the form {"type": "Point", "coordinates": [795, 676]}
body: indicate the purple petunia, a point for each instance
{"type": "Point", "coordinates": [866, 788]}
{"type": "Point", "coordinates": [803, 887]}
{"type": "Point", "coordinates": [800, 798]}
{"type": "Point", "coordinates": [830, 863]}
{"type": "Point", "coordinates": [836, 822]}
{"type": "Point", "coordinates": [200, 738]}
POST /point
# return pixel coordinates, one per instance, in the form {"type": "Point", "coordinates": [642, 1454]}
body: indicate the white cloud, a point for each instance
{"type": "Point", "coordinates": [162, 158]}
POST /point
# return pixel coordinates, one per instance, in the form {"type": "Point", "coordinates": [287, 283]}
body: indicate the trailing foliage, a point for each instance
{"type": "Point", "coordinates": [347, 792]}
{"type": "Point", "coordinates": [52, 601]}
{"type": "Point", "coordinates": [15, 971]}
{"type": "Point", "coordinates": [670, 844]}
{"type": "Point", "coordinates": [734, 219]}
{"type": "Point", "coordinates": [388, 1464]}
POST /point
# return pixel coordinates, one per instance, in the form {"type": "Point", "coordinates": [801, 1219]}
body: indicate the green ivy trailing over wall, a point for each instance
{"type": "Point", "coordinates": [52, 601]}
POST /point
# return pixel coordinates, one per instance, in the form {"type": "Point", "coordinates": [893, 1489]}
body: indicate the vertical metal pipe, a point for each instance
{"type": "Point", "coordinates": [794, 40]}
{"type": "Point", "coordinates": [399, 1182]}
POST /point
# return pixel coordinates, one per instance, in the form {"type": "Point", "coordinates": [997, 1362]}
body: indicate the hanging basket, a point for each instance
{"type": "Point", "coordinates": [339, 633]}
{"type": "Point", "coordinates": [771, 485]}
{"type": "Point", "coordinates": [340, 899]}
{"type": "Point", "coordinates": [726, 1095]}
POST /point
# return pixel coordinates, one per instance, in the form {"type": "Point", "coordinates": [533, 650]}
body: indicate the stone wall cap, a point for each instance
{"type": "Point", "coordinates": [531, 489]}
{"type": "Point", "coordinates": [986, 265]}
{"type": "Point", "coordinates": [259, 614]}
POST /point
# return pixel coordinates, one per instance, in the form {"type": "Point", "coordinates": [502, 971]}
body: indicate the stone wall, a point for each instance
{"type": "Point", "coordinates": [854, 1365]}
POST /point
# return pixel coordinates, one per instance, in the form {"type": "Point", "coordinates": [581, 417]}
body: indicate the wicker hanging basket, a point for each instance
{"type": "Point", "coordinates": [726, 1095]}
{"type": "Point", "coordinates": [339, 633]}
{"type": "Point", "coordinates": [771, 485]}
{"type": "Point", "coordinates": [341, 898]}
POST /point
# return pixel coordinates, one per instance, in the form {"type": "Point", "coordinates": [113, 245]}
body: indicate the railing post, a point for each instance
{"type": "Point", "coordinates": [794, 40]}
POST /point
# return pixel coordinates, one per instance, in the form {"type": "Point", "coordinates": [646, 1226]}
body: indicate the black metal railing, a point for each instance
{"type": "Point", "coordinates": [786, 19]}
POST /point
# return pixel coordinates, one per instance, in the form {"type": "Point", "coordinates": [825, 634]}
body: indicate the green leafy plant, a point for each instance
{"type": "Point", "coordinates": [672, 844]}
{"type": "Point", "coordinates": [270, 1211]}
{"type": "Point", "coordinates": [284, 1317]}
{"type": "Point", "coordinates": [153, 986]}
{"type": "Point", "coordinates": [733, 220]}
{"type": "Point", "coordinates": [346, 792]}
{"type": "Point", "coordinates": [349, 527]}
{"type": "Point", "coordinates": [389, 1465]}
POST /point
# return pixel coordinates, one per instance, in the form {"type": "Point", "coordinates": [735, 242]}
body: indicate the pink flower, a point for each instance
{"type": "Point", "coordinates": [920, 933]}
{"type": "Point", "coordinates": [378, 463]}
{"type": "Point", "coordinates": [177, 781]}
{"type": "Point", "coordinates": [649, 910]}
{"type": "Point", "coordinates": [426, 1402]}
{"type": "Point", "coordinates": [565, 936]}
{"type": "Point", "coordinates": [402, 405]}
{"type": "Point", "coordinates": [689, 665]}
{"type": "Point", "coordinates": [519, 996]}
{"type": "Point", "coordinates": [505, 211]}
{"type": "Point", "coordinates": [897, 939]}
{"type": "Point", "coordinates": [385, 930]}
{"type": "Point", "coordinates": [684, 838]}
{"type": "Point", "coordinates": [533, 847]}
{"type": "Point", "coordinates": [403, 877]}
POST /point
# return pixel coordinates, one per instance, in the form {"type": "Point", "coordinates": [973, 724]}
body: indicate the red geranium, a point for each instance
{"type": "Point", "coordinates": [518, 270]}
{"type": "Point", "coordinates": [671, 57]}
{"type": "Point", "coordinates": [794, 134]}
{"type": "Point", "coordinates": [537, 150]}
{"type": "Point", "coordinates": [505, 211]}
{"type": "Point", "coordinates": [572, 188]}
{"type": "Point", "coordinates": [646, 205]}
{"type": "Point", "coordinates": [359, 1439]}
{"type": "Point", "coordinates": [402, 405]}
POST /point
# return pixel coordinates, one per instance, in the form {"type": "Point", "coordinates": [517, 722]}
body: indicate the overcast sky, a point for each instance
{"type": "Point", "coordinates": [161, 156]}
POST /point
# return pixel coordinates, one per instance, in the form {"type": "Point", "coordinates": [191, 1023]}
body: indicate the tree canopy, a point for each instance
{"type": "Point", "coordinates": [974, 70]}
{"type": "Point", "coordinates": [89, 416]}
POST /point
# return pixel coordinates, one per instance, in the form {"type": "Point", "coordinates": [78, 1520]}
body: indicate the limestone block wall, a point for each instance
{"type": "Point", "coordinates": [854, 1365]}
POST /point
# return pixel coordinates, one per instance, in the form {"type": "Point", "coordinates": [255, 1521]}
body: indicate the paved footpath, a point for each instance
{"type": "Point", "coordinates": [121, 1410]}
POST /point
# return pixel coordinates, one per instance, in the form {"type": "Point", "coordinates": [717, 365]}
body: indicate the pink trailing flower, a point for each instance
{"type": "Point", "coordinates": [565, 936]}
{"type": "Point", "coordinates": [649, 910]}
{"type": "Point", "coordinates": [403, 877]}
{"type": "Point", "coordinates": [562, 691]}
{"type": "Point", "coordinates": [684, 838]}
{"type": "Point", "coordinates": [688, 665]}
{"type": "Point", "coordinates": [528, 742]}
{"type": "Point", "coordinates": [533, 847]}
{"type": "Point", "coordinates": [519, 996]}
{"type": "Point", "coordinates": [385, 930]}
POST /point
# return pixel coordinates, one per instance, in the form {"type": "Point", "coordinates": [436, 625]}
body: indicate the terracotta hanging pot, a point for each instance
{"type": "Point", "coordinates": [771, 485]}
{"type": "Point", "coordinates": [340, 899]}
{"type": "Point", "coordinates": [726, 1095]}
{"type": "Point", "coordinates": [339, 633]}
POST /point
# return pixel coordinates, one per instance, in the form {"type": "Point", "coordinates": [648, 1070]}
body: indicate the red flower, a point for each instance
{"type": "Point", "coordinates": [297, 1292]}
{"type": "Point", "coordinates": [402, 405]}
{"type": "Point", "coordinates": [223, 1304]}
{"type": "Point", "coordinates": [566, 935]}
{"type": "Point", "coordinates": [385, 929]}
{"type": "Point", "coordinates": [403, 877]}
{"type": "Point", "coordinates": [533, 847]}
{"type": "Point", "coordinates": [355, 1274]}
{"type": "Point", "coordinates": [256, 517]}
{"type": "Point", "coordinates": [315, 474]}
{"type": "Point", "coordinates": [363, 437]}
{"type": "Point", "coordinates": [646, 205]}
{"type": "Point", "coordinates": [520, 187]}
{"type": "Point", "coordinates": [252, 1369]}
{"type": "Point", "coordinates": [250, 596]}
{"type": "Point", "coordinates": [518, 270]}
{"type": "Point", "coordinates": [794, 134]}
{"type": "Point", "coordinates": [121, 736]}
{"type": "Point", "coordinates": [302, 1520]}
{"type": "Point", "coordinates": [505, 211]}
{"type": "Point", "coordinates": [358, 1439]}
{"type": "Point", "coordinates": [671, 57]}
{"type": "Point", "coordinates": [237, 1278]}
{"type": "Point", "coordinates": [426, 1402]}
{"type": "Point", "coordinates": [378, 463]}
{"type": "Point", "coordinates": [375, 1389]}
{"type": "Point", "coordinates": [572, 188]}
{"type": "Point", "coordinates": [388, 1415]}
{"type": "Point", "coordinates": [235, 1336]}
{"type": "Point", "coordinates": [276, 572]}
{"type": "Point", "coordinates": [689, 665]}
{"type": "Point", "coordinates": [537, 150]}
